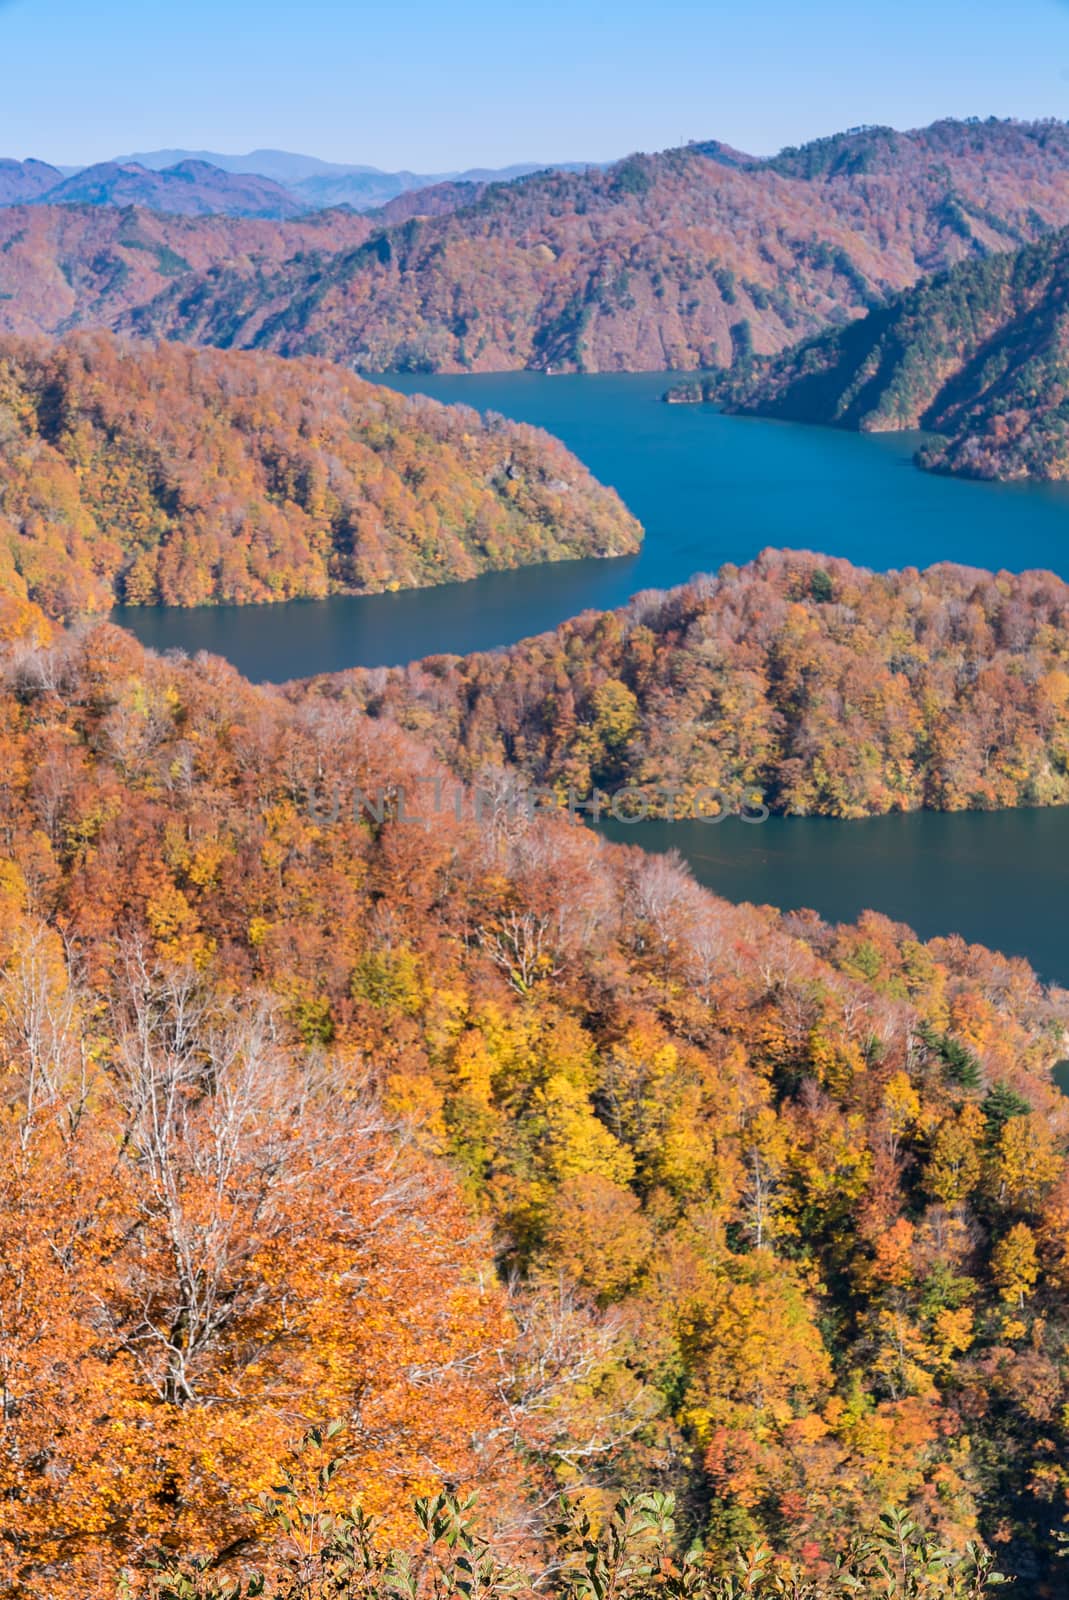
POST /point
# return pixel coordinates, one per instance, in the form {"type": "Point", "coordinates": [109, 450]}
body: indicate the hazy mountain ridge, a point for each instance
{"type": "Point", "coordinates": [296, 182]}
{"type": "Point", "coordinates": [366, 188]}
{"type": "Point", "coordinates": [189, 188]}
{"type": "Point", "coordinates": [979, 355]}
{"type": "Point", "coordinates": [24, 181]}
{"type": "Point", "coordinates": [291, 169]}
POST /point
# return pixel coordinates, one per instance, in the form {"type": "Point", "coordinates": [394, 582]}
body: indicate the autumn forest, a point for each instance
{"type": "Point", "coordinates": [560, 1171]}
{"type": "Point", "coordinates": [457, 1211]}
{"type": "Point", "coordinates": [823, 689]}
{"type": "Point", "coordinates": [184, 477]}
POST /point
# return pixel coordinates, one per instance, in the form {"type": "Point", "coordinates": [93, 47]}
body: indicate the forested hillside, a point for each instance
{"type": "Point", "coordinates": [537, 1164]}
{"type": "Point", "coordinates": [979, 355]}
{"type": "Point", "coordinates": [693, 257]}
{"type": "Point", "coordinates": [181, 476]}
{"type": "Point", "coordinates": [821, 687]}
{"type": "Point", "coordinates": [69, 266]}
{"type": "Point", "coordinates": [63, 267]}
{"type": "Point", "coordinates": [689, 258]}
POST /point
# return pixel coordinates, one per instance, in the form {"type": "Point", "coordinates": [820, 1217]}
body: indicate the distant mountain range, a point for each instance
{"type": "Point", "coordinates": [265, 183]}
{"type": "Point", "coordinates": [695, 258]}
{"type": "Point", "coordinates": [978, 355]}
{"type": "Point", "coordinates": [329, 183]}
{"type": "Point", "coordinates": [189, 188]}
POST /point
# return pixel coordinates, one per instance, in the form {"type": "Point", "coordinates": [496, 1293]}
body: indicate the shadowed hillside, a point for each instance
{"type": "Point", "coordinates": [979, 355]}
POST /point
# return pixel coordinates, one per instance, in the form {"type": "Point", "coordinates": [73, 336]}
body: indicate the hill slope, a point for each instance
{"type": "Point", "coordinates": [84, 266]}
{"type": "Point", "coordinates": [821, 688]}
{"type": "Point", "coordinates": [24, 181]}
{"type": "Point", "coordinates": [781, 1207]}
{"type": "Point", "coordinates": [980, 355]}
{"type": "Point", "coordinates": [680, 260]}
{"type": "Point", "coordinates": [684, 259]}
{"type": "Point", "coordinates": [190, 476]}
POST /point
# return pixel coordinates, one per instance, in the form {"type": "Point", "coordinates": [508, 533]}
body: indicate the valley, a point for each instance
{"type": "Point", "coordinates": [707, 487]}
{"type": "Point", "coordinates": [408, 1191]}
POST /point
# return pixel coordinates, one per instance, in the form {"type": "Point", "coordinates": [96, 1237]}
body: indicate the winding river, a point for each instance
{"type": "Point", "coordinates": [711, 489]}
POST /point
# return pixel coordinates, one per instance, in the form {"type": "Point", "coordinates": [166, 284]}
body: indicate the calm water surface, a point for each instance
{"type": "Point", "coordinates": [707, 488]}
{"type": "Point", "coordinates": [710, 489]}
{"type": "Point", "coordinates": [999, 878]}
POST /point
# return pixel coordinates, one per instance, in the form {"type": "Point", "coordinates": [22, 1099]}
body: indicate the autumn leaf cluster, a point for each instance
{"type": "Point", "coordinates": [186, 477]}
{"type": "Point", "coordinates": [537, 1164]}
{"type": "Point", "coordinates": [817, 687]}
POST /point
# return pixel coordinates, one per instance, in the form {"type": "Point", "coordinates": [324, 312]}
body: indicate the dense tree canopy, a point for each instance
{"type": "Point", "coordinates": [817, 686]}
{"type": "Point", "coordinates": [979, 355]}
{"type": "Point", "coordinates": [778, 1209]}
{"type": "Point", "coordinates": [168, 474]}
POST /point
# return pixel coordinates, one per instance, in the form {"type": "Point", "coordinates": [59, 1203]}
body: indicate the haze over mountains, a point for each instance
{"type": "Point", "coordinates": [331, 183]}
{"type": "Point", "coordinates": [265, 183]}
{"type": "Point", "coordinates": [24, 181]}
{"type": "Point", "coordinates": [190, 188]}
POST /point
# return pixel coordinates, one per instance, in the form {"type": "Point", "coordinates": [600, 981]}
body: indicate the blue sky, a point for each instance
{"type": "Point", "coordinates": [462, 82]}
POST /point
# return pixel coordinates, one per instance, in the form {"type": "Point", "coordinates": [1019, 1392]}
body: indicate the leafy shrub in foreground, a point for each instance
{"type": "Point", "coordinates": [324, 1556]}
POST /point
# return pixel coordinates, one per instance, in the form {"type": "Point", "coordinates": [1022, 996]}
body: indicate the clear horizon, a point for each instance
{"type": "Point", "coordinates": [418, 88]}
